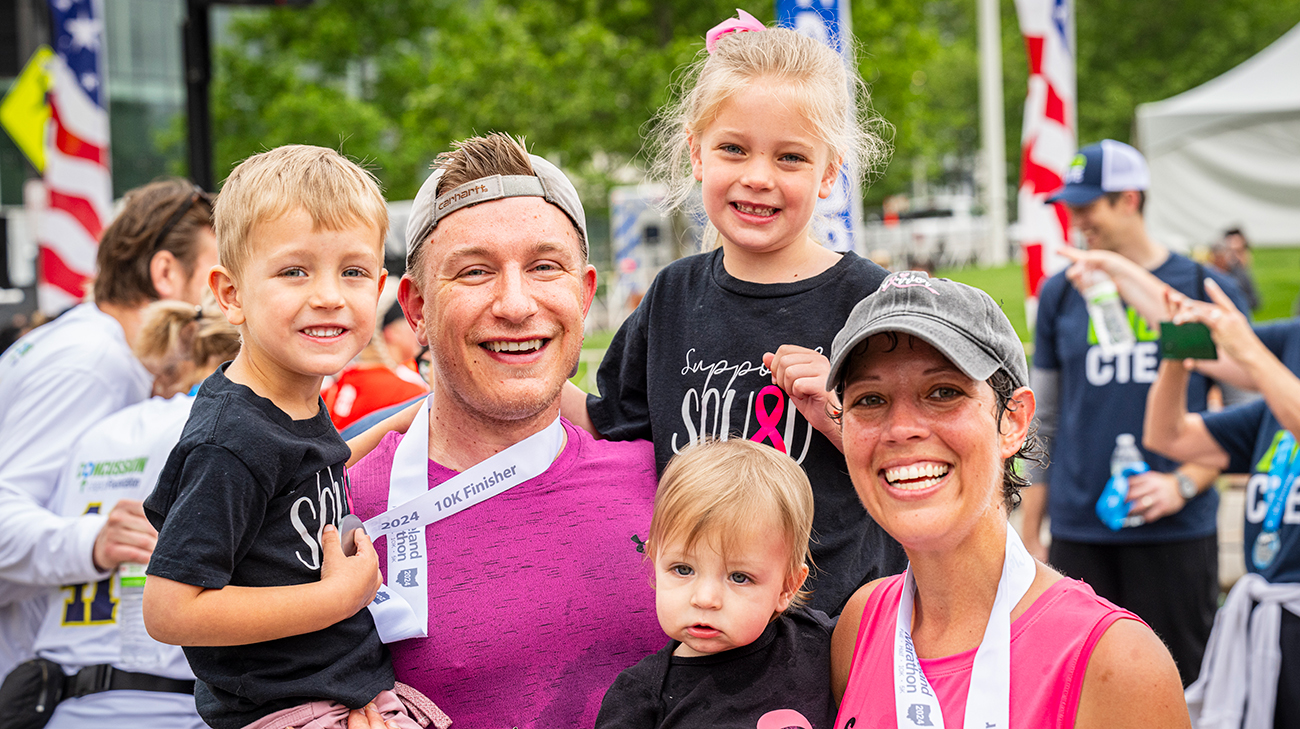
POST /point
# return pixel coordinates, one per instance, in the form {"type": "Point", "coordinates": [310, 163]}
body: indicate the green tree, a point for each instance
{"type": "Point", "coordinates": [394, 82]}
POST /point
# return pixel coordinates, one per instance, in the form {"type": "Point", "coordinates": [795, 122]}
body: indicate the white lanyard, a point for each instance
{"type": "Point", "coordinates": [988, 705]}
{"type": "Point", "coordinates": [401, 607]}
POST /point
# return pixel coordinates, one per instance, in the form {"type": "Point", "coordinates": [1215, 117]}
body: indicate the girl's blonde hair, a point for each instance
{"type": "Point", "coordinates": [176, 337]}
{"type": "Point", "coordinates": [834, 100]}
{"type": "Point", "coordinates": [722, 488]}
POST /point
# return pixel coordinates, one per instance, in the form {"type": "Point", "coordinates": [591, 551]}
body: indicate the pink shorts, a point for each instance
{"type": "Point", "coordinates": [403, 707]}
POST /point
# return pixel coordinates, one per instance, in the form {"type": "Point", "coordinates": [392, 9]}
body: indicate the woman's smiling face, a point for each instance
{"type": "Point", "coordinates": [922, 442]}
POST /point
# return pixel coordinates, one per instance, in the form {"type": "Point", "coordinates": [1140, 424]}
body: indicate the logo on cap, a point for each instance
{"type": "Point", "coordinates": [907, 280]}
{"type": "Point", "coordinates": [1075, 175]}
{"type": "Point", "coordinates": [457, 197]}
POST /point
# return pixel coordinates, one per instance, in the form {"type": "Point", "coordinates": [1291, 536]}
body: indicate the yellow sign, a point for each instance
{"type": "Point", "coordinates": [24, 111]}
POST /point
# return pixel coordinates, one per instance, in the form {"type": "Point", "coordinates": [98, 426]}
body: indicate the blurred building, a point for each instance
{"type": "Point", "coordinates": [146, 102]}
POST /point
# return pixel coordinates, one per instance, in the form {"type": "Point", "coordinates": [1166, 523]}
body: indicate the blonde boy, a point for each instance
{"type": "Point", "coordinates": [729, 545]}
{"type": "Point", "coordinates": [248, 573]}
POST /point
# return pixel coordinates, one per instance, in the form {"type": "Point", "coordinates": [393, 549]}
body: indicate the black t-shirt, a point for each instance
{"type": "Point", "coordinates": [788, 667]}
{"type": "Point", "coordinates": [688, 363]}
{"type": "Point", "coordinates": [242, 501]}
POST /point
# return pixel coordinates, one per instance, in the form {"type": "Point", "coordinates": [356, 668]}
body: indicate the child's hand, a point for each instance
{"type": "Point", "coordinates": [802, 373]}
{"type": "Point", "coordinates": [356, 579]}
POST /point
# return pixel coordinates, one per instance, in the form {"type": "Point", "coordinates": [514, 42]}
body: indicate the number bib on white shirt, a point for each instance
{"type": "Point", "coordinates": [988, 705]}
{"type": "Point", "coordinates": [401, 607]}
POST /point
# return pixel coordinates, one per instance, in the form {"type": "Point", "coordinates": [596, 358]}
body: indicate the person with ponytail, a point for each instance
{"type": "Point", "coordinates": [64, 377]}
{"type": "Point", "coordinates": [119, 458]}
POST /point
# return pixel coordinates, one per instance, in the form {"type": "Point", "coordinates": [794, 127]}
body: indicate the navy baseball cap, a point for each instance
{"type": "Point", "coordinates": [1107, 166]}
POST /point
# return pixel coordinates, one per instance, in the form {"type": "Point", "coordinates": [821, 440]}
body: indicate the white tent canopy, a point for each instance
{"type": "Point", "coordinates": [1227, 153]}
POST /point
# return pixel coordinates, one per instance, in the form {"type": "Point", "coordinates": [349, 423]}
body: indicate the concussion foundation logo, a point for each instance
{"type": "Point", "coordinates": [93, 469]}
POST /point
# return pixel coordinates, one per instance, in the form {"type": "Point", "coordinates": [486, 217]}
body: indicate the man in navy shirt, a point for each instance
{"type": "Point", "coordinates": [1165, 566]}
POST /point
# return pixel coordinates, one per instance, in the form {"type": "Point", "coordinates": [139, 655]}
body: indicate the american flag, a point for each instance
{"type": "Point", "coordinates": [77, 178]}
{"type": "Point", "coordinates": [1048, 141]}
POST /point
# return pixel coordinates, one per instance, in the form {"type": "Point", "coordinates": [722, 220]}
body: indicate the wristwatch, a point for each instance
{"type": "Point", "coordinates": [1187, 488]}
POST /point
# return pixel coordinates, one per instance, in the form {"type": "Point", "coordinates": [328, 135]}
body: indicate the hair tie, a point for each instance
{"type": "Point", "coordinates": [198, 312]}
{"type": "Point", "coordinates": [744, 23]}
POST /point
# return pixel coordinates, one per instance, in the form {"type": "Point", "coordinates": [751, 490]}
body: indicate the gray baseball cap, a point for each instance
{"type": "Point", "coordinates": [960, 321]}
{"type": "Point", "coordinates": [549, 183]}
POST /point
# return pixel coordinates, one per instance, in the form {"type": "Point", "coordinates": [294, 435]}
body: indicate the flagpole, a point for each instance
{"type": "Point", "coordinates": [993, 132]}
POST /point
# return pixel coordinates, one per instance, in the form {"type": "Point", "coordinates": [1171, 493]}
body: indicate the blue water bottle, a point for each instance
{"type": "Point", "coordinates": [1125, 460]}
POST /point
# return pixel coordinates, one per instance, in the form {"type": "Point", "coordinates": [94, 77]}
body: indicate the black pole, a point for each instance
{"type": "Point", "coordinates": [198, 73]}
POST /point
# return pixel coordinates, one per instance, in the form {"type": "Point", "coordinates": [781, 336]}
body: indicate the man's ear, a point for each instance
{"type": "Point", "coordinates": [226, 292]}
{"type": "Point", "coordinates": [588, 288]}
{"type": "Point", "coordinates": [412, 301]}
{"type": "Point", "coordinates": [167, 275]}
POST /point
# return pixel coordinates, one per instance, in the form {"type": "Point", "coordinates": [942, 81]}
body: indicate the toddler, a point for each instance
{"type": "Point", "coordinates": [248, 573]}
{"type": "Point", "coordinates": [731, 343]}
{"type": "Point", "coordinates": [729, 545]}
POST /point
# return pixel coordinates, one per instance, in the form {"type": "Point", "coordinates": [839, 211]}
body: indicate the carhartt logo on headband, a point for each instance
{"type": "Point", "coordinates": [907, 280]}
{"type": "Point", "coordinates": [455, 197]}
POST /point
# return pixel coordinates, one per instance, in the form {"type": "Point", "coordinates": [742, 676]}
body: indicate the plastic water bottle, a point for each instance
{"type": "Point", "coordinates": [1125, 460]}
{"type": "Point", "coordinates": [1109, 318]}
{"type": "Point", "coordinates": [139, 652]}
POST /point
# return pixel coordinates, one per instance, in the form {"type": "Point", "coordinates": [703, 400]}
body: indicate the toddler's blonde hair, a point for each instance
{"type": "Point", "coordinates": [720, 488]}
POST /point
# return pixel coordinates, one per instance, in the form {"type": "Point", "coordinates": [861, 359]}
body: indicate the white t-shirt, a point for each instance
{"type": "Point", "coordinates": [55, 383]}
{"type": "Point", "coordinates": [118, 458]}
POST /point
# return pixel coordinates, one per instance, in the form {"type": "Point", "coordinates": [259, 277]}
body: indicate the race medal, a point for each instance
{"type": "Point", "coordinates": [1282, 475]}
{"type": "Point", "coordinates": [1265, 551]}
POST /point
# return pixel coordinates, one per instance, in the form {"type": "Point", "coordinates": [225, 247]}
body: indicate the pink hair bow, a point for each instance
{"type": "Point", "coordinates": [745, 22]}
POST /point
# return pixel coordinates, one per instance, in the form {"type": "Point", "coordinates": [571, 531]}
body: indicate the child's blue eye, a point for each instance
{"type": "Point", "coordinates": [740, 578]}
{"type": "Point", "coordinates": [682, 570]}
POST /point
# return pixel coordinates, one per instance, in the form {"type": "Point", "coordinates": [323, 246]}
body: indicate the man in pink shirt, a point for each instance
{"type": "Point", "coordinates": [537, 596]}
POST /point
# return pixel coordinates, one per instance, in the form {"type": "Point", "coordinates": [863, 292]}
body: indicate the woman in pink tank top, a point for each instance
{"type": "Point", "coordinates": [976, 634]}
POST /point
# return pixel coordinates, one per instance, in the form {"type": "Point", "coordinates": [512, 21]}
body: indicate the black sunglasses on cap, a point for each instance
{"type": "Point", "coordinates": [185, 206]}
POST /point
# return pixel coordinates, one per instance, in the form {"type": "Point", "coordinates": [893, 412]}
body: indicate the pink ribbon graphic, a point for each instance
{"type": "Point", "coordinates": [783, 719]}
{"type": "Point", "coordinates": [744, 23]}
{"type": "Point", "coordinates": [768, 420]}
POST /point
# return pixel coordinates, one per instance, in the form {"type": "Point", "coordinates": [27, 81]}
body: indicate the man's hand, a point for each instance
{"type": "Point", "coordinates": [354, 579]}
{"type": "Point", "coordinates": [127, 536]}
{"type": "Point", "coordinates": [1154, 495]}
{"type": "Point", "coordinates": [802, 373]}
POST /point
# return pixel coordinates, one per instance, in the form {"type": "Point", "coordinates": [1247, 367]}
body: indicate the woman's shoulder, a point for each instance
{"type": "Point", "coordinates": [1131, 681]}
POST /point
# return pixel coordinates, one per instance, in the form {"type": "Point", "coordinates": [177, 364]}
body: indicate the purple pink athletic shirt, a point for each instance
{"type": "Point", "coordinates": [1050, 647]}
{"type": "Point", "coordinates": [538, 597]}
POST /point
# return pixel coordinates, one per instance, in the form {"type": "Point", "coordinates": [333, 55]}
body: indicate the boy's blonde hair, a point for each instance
{"type": "Point", "coordinates": [835, 102]}
{"type": "Point", "coordinates": [719, 488]}
{"type": "Point", "coordinates": [329, 187]}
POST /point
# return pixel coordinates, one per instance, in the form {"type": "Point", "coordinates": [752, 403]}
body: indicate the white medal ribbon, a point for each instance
{"type": "Point", "coordinates": [401, 607]}
{"type": "Point", "coordinates": [988, 705]}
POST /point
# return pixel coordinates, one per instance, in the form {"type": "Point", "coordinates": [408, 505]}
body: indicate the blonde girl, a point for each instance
{"type": "Point", "coordinates": [731, 343]}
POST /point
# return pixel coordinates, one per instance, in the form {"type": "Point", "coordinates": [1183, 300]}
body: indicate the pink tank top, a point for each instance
{"type": "Point", "coordinates": [1050, 647]}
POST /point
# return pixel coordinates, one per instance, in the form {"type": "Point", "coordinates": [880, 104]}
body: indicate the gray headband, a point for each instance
{"type": "Point", "coordinates": [549, 183]}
